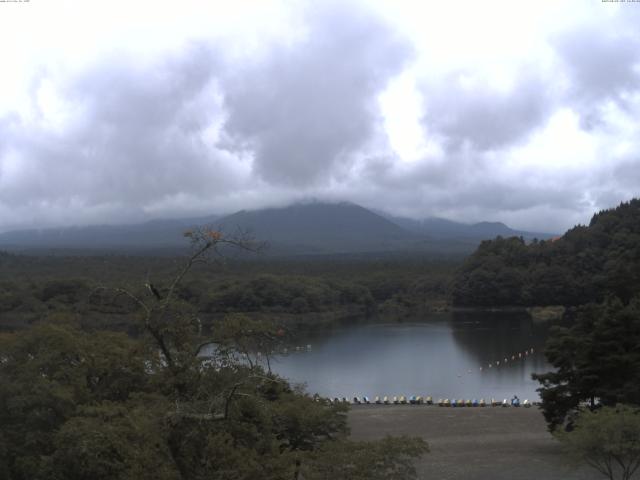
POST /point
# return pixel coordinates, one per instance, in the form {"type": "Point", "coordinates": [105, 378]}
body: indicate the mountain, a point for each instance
{"type": "Point", "coordinates": [151, 234]}
{"type": "Point", "coordinates": [320, 228]}
{"type": "Point", "coordinates": [306, 228]}
{"type": "Point", "coordinates": [296, 229]}
{"type": "Point", "coordinates": [441, 228]}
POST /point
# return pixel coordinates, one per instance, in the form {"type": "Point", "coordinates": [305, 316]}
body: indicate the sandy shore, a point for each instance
{"type": "Point", "coordinates": [473, 443]}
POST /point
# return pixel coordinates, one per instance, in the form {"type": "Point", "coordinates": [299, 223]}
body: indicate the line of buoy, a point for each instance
{"type": "Point", "coordinates": [505, 360]}
{"type": "Point", "coordinates": [298, 348]}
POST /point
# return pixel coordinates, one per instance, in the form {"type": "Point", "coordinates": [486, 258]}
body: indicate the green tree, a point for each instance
{"type": "Point", "coordinates": [48, 373]}
{"type": "Point", "coordinates": [389, 459]}
{"type": "Point", "coordinates": [76, 404]}
{"type": "Point", "coordinates": [607, 439]}
{"type": "Point", "coordinates": [586, 264]}
{"type": "Point", "coordinates": [597, 360]}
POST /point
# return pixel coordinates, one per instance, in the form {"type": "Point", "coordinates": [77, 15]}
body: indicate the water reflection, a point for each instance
{"type": "Point", "coordinates": [440, 356]}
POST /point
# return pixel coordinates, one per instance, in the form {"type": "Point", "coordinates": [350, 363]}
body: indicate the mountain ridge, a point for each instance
{"type": "Point", "coordinates": [302, 228]}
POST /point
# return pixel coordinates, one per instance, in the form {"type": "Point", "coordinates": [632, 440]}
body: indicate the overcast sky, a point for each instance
{"type": "Point", "coordinates": [522, 112]}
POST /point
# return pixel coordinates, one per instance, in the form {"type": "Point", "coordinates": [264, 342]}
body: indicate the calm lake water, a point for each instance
{"type": "Point", "coordinates": [444, 355]}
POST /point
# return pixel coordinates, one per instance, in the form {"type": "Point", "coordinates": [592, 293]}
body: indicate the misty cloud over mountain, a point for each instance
{"type": "Point", "coordinates": [536, 128]}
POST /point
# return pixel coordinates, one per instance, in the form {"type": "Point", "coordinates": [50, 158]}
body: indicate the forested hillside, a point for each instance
{"type": "Point", "coordinates": [587, 264]}
{"type": "Point", "coordinates": [307, 293]}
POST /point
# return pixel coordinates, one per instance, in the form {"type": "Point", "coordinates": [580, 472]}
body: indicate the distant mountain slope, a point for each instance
{"type": "Point", "coordinates": [155, 233]}
{"type": "Point", "coordinates": [320, 227]}
{"type": "Point", "coordinates": [310, 228]}
{"type": "Point", "coordinates": [441, 228]}
{"type": "Point", "coordinates": [297, 229]}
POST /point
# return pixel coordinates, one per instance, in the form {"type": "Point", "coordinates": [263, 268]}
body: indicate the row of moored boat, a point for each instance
{"type": "Point", "coordinates": [442, 402]}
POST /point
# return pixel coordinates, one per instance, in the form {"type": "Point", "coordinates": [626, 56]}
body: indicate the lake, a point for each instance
{"type": "Point", "coordinates": [449, 355]}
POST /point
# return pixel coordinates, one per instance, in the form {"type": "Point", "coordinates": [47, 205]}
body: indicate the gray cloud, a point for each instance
{"type": "Point", "coordinates": [200, 131]}
{"type": "Point", "coordinates": [483, 117]}
{"type": "Point", "coordinates": [476, 124]}
{"type": "Point", "coordinates": [305, 109]}
{"type": "Point", "coordinates": [135, 137]}
{"type": "Point", "coordinates": [471, 186]}
{"type": "Point", "coordinates": [602, 64]}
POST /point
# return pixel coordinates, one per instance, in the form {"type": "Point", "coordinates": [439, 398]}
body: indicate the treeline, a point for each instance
{"type": "Point", "coordinates": [36, 288]}
{"type": "Point", "coordinates": [587, 264]}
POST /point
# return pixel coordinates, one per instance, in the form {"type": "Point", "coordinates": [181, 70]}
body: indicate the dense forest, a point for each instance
{"type": "Point", "coordinates": [586, 264]}
{"type": "Point", "coordinates": [308, 292]}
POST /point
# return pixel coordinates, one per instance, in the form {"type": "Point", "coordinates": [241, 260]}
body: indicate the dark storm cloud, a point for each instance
{"type": "Point", "coordinates": [304, 109]}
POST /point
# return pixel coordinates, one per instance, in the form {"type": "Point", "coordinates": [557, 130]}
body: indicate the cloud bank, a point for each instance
{"type": "Point", "coordinates": [343, 101]}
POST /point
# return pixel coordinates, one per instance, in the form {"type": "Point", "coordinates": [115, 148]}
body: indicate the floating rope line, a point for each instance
{"type": "Point", "coordinates": [515, 357]}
